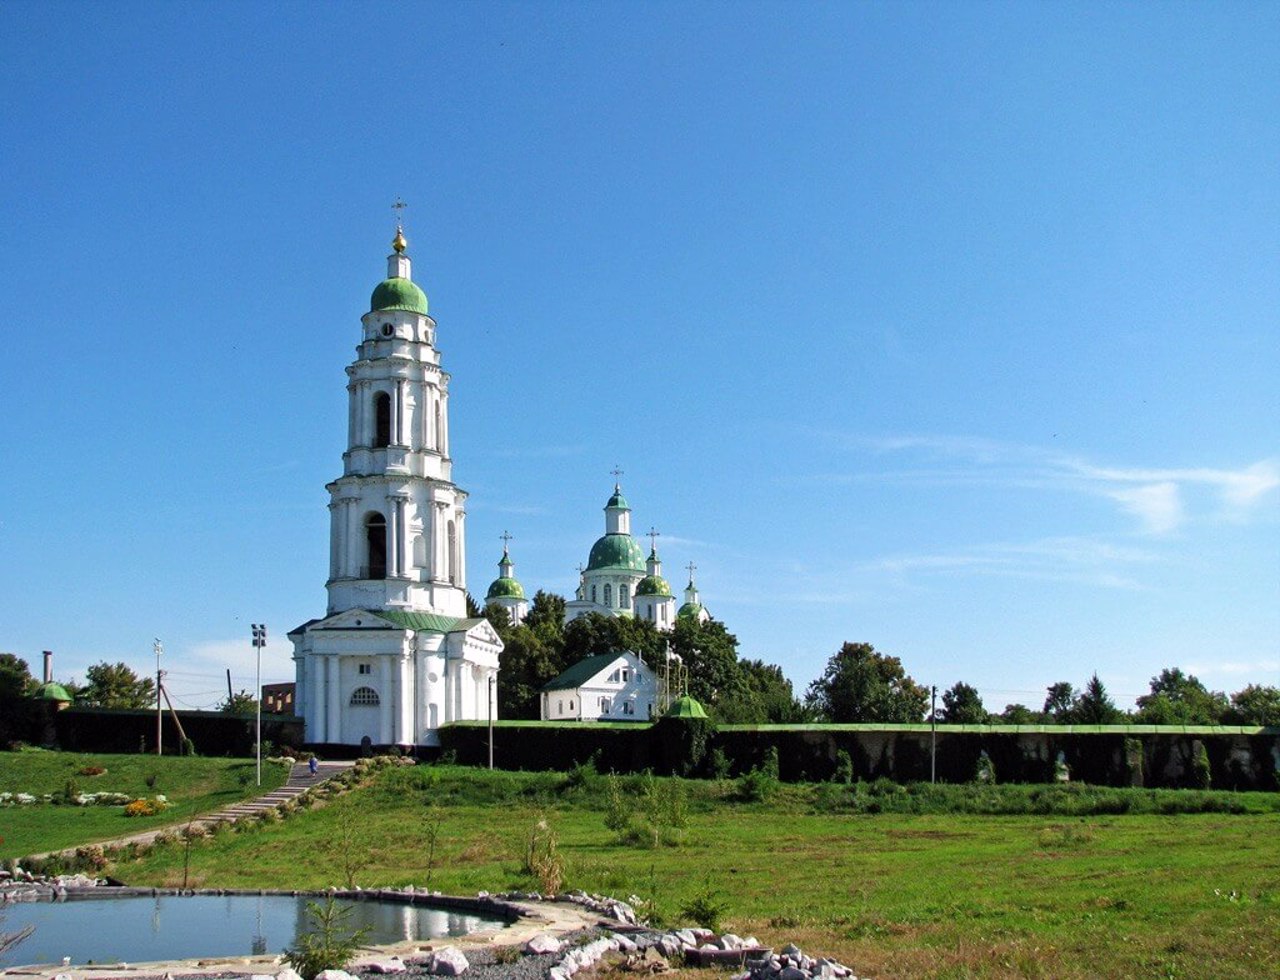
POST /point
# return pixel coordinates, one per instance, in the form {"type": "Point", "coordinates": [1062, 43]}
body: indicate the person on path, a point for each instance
{"type": "Point", "coordinates": [312, 765]}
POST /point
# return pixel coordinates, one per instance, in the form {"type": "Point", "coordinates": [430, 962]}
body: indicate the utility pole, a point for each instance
{"type": "Point", "coordinates": [259, 641]}
{"type": "Point", "coordinates": [933, 734]}
{"type": "Point", "coordinates": [159, 649]}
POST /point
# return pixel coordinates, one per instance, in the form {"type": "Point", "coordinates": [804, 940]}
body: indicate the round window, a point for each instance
{"type": "Point", "coordinates": [388, 330]}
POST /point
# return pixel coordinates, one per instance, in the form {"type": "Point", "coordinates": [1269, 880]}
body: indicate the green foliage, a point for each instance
{"type": "Point", "coordinates": [844, 768]}
{"type": "Point", "coordinates": [760, 783]}
{"type": "Point", "coordinates": [719, 764]}
{"type": "Point", "coordinates": [1255, 705]}
{"type": "Point", "coordinates": [961, 705]}
{"type": "Point", "coordinates": [433, 820]}
{"type": "Point", "coordinates": [1133, 761]}
{"type": "Point", "coordinates": [116, 686]}
{"type": "Point", "coordinates": [705, 909]}
{"type": "Point", "coordinates": [684, 743]}
{"type": "Point", "coordinates": [1093, 706]}
{"type": "Point", "coordinates": [1058, 703]}
{"type": "Point", "coordinates": [861, 685]}
{"type": "Point", "coordinates": [985, 770]}
{"type": "Point", "coordinates": [1180, 699]}
{"type": "Point", "coordinates": [328, 945]}
{"type": "Point", "coordinates": [15, 676]}
{"type": "Point", "coordinates": [764, 697]}
{"type": "Point", "coordinates": [542, 859]}
{"type": "Point", "coordinates": [716, 678]}
{"type": "Point", "coordinates": [1017, 714]}
{"type": "Point", "coordinates": [1200, 775]}
{"type": "Point", "coordinates": [241, 703]}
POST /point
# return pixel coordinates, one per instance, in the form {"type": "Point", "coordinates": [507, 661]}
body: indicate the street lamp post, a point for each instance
{"type": "Point", "coordinates": [259, 641]}
{"type": "Point", "coordinates": [933, 734]}
{"type": "Point", "coordinates": [159, 649]}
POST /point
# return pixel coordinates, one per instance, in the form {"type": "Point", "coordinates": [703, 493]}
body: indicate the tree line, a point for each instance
{"type": "Point", "coordinates": [858, 684]}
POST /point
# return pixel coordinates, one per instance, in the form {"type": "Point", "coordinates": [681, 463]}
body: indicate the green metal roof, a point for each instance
{"type": "Point", "coordinates": [398, 293]}
{"type": "Point", "coordinates": [51, 692]}
{"type": "Point", "coordinates": [505, 587]}
{"type": "Point", "coordinates": [581, 672]}
{"type": "Point", "coordinates": [618, 500]}
{"type": "Point", "coordinates": [616, 551]}
{"type": "Point", "coordinates": [685, 707]}
{"type": "Point", "coordinates": [427, 622]}
{"type": "Point", "coordinates": [653, 585]}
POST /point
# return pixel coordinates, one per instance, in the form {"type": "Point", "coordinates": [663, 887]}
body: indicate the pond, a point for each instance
{"type": "Point", "coordinates": [139, 929]}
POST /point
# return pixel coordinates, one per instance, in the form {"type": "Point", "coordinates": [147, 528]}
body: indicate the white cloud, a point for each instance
{"type": "Point", "coordinates": [1157, 505]}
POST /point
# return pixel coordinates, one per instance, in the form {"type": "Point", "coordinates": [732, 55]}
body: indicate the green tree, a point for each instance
{"type": "Point", "coordinates": [1180, 699]}
{"type": "Point", "coordinates": [1019, 714]}
{"type": "Point", "coordinates": [1093, 706]}
{"type": "Point", "coordinates": [241, 703]}
{"type": "Point", "coordinates": [961, 705]}
{"type": "Point", "coordinates": [1255, 705]}
{"type": "Point", "coordinates": [499, 618]}
{"type": "Point", "coordinates": [709, 653]}
{"type": "Point", "coordinates": [1058, 702]}
{"type": "Point", "coordinates": [546, 614]}
{"type": "Point", "coordinates": [116, 686]}
{"type": "Point", "coordinates": [15, 676]}
{"type": "Point", "coordinates": [526, 663]}
{"type": "Point", "coordinates": [596, 633]}
{"type": "Point", "coordinates": [861, 684]}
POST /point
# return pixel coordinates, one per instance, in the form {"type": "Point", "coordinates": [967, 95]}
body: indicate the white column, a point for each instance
{"type": "Point", "coordinates": [316, 702]}
{"type": "Point", "coordinates": [386, 698]}
{"type": "Point", "coordinates": [333, 717]}
{"type": "Point", "coordinates": [397, 419]}
{"type": "Point", "coordinates": [462, 549]}
{"type": "Point", "coordinates": [401, 535]}
{"type": "Point", "coordinates": [439, 542]}
{"type": "Point", "coordinates": [443, 434]}
{"type": "Point", "coordinates": [402, 730]}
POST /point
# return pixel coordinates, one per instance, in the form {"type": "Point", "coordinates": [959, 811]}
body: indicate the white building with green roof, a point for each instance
{"type": "Point", "coordinates": [614, 568]}
{"type": "Point", "coordinates": [394, 657]}
{"type": "Point", "coordinates": [608, 687]}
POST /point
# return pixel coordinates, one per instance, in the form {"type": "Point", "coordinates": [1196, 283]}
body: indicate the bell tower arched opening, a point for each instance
{"type": "Point", "coordinates": [375, 531]}
{"type": "Point", "coordinates": [381, 420]}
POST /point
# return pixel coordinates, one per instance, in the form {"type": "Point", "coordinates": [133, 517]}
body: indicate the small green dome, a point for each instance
{"type": "Point", "coordinates": [52, 692]}
{"type": "Point", "coordinates": [616, 551]}
{"type": "Point", "coordinates": [618, 500]}
{"type": "Point", "coordinates": [398, 293]}
{"type": "Point", "coordinates": [690, 610]}
{"type": "Point", "coordinates": [505, 588]}
{"type": "Point", "coordinates": [653, 585]}
{"type": "Point", "coordinates": [685, 707]}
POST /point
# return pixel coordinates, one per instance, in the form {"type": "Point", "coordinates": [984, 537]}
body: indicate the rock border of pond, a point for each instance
{"type": "Point", "coordinates": [554, 938]}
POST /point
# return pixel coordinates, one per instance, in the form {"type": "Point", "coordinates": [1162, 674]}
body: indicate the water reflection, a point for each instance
{"type": "Point", "coordinates": [184, 927]}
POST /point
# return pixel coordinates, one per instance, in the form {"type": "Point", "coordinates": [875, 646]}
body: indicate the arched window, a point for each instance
{"type": "Point", "coordinates": [593, 594]}
{"type": "Point", "coordinates": [381, 420]}
{"type": "Point", "coordinates": [375, 531]}
{"type": "Point", "coordinates": [364, 696]}
{"type": "Point", "coordinates": [453, 553]}
{"type": "Point", "coordinates": [624, 597]}
{"type": "Point", "coordinates": [608, 594]}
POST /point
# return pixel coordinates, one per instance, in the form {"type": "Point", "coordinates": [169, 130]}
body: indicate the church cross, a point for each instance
{"type": "Point", "coordinates": [506, 538]}
{"type": "Point", "coordinates": [653, 538]}
{"type": "Point", "coordinates": [398, 208]}
{"type": "Point", "coordinates": [692, 568]}
{"type": "Point", "coordinates": [616, 472]}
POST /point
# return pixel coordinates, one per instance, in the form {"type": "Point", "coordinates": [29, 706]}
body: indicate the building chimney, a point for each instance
{"type": "Point", "coordinates": [48, 666]}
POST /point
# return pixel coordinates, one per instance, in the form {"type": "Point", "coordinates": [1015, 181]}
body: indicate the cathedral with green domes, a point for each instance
{"type": "Point", "coordinates": [616, 581]}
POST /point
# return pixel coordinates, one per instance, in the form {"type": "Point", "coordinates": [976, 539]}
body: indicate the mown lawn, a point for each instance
{"type": "Point", "coordinates": [890, 894]}
{"type": "Point", "coordinates": [193, 785]}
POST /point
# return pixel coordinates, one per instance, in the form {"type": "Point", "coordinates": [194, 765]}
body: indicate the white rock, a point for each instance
{"type": "Point", "coordinates": [262, 976]}
{"type": "Point", "coordinates": [625, 945]}
{"type": "Point", "coordinates": [557, 973]}
{"type": "Point", "coordinates": [448, 962]}
{"type": "Point", "coordinates": [542, 943]}
{"type": "Point", "coordinates": [730, 941]}
{"type": "Point", "coordinates": [382, 964]}
{"type": "Point", "coordinates": [288, 973]}
{"type": "Point", "coordinates": [334, 975]}
{"type": "Point", "coordinates": [686, 937]}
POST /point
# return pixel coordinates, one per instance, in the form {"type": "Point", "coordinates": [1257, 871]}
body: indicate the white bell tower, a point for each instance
{"type": "Point", "coordinates": [397, 524]}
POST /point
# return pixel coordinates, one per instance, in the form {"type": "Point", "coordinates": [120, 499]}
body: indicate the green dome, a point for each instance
{"type": "Point", "coordinates": [685, 707]}
{"type": "Point", "coordinates": [505, 588]}
{"type": "Point", "coordinates": [618, 500]}
{"type": "Point", "coordinates": [398, 294]}
{"type": "Point", "coordinates": [616, 551]}
{"type": "Point", "coordinates": [52, 692]}
{"type": "Point", "coordinates": [653, 585]}
{"type": "Point", "coordinates": [690, 610]}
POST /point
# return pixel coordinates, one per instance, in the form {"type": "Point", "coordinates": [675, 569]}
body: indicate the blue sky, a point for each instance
{"type": "Point", "coordinates": [949, 328]}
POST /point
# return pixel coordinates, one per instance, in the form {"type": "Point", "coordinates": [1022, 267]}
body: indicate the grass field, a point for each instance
{"type": "Point", "coordinates": [890, 894]}
{"type": "Point", "coordinates": [192, 784]}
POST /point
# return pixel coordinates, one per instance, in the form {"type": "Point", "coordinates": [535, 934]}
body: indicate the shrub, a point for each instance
{"type": "Point", "coordinates": [844, 768]}
{"type": "Point", "coordinates": [140, 808]}
{"type": "Point", "coordinates": [1201, 775]}
{"type": "Point", "coordinates": [328, 946]}
{"type": "Point", "coordinates": [705, 909]}
{"type": "Point", "coordinates": [542, 860]}
{"type": "Point", "coordinates": [985, 770]}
